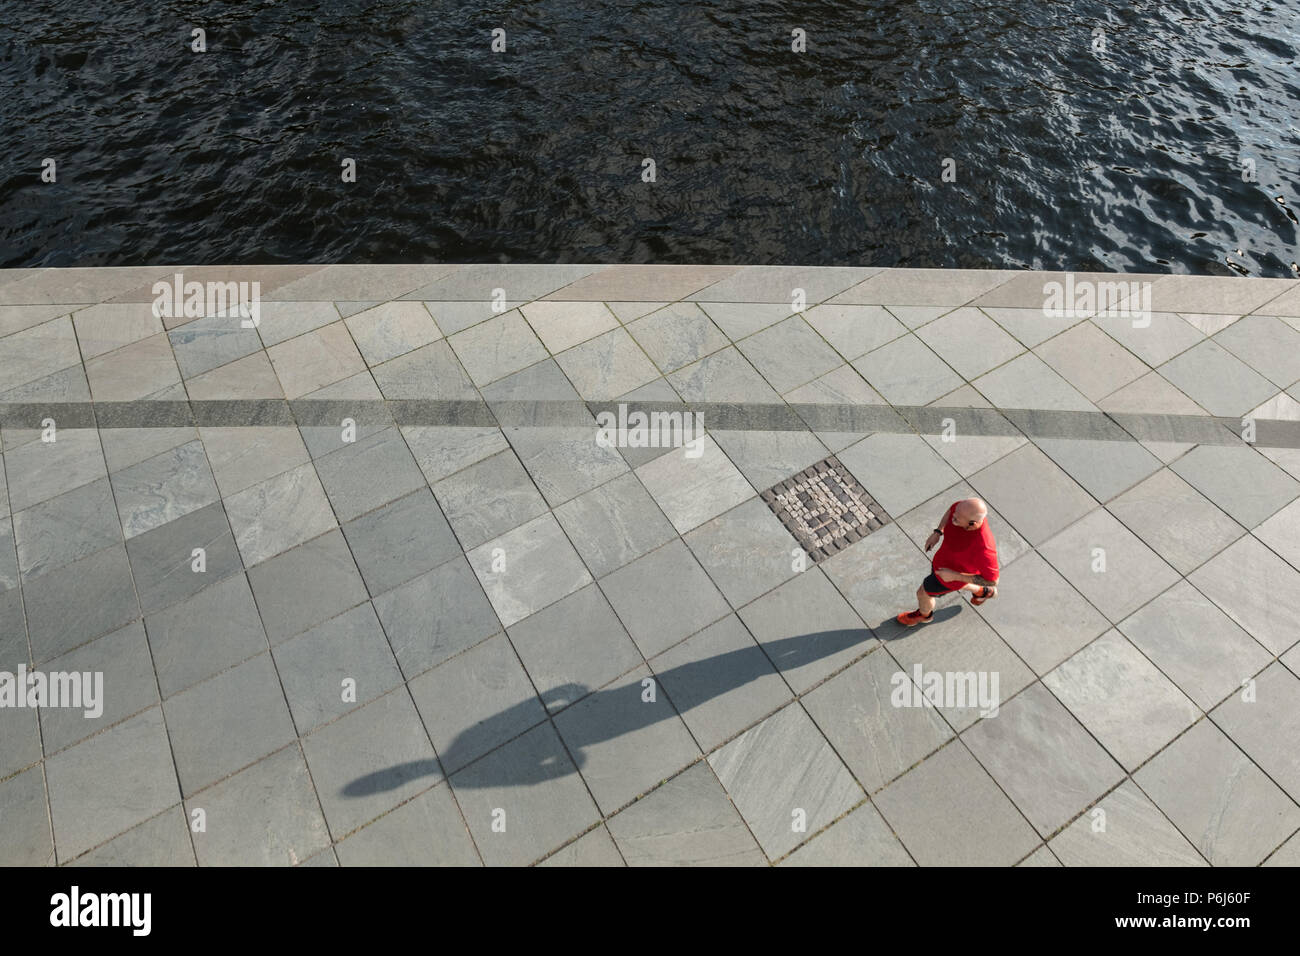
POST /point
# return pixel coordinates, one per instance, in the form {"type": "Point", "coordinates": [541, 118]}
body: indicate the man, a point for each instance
{"type": "Point", "coordinates": [966, 561]}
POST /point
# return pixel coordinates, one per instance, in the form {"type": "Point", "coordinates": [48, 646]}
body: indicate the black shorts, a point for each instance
{"type": "Point", "coordinates": [935, 587]}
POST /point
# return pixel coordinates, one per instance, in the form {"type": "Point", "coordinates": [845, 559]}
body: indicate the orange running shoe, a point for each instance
{"type": "Point", "coordinates": [913, 618]}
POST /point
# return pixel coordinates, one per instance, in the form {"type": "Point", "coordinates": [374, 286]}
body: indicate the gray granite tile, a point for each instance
{"type": "Point", "coordinates": [1265, 727]}
{"type": "Point", "coordinates": [427, 831]}
{"type": "Point", "coordinates": [688, 821]}
{"type": "Point", "coordinates": [227, 723]}
{"type": "Point", "coordinates": [677, 335]}
{"type": "Point", "coordinates": [488, 499]}
{"type": "Point", "coordinates": [720, 681]}
{"type": "Point", "coordinates": [128, 686]}
{"type": "Point", "coordinates": [1109, 565]}
{"type": "Point", "coordinates": [1239, 480]}
{"type": "Point", "coordinates": [1176, 521]}
{"type": "Point", "coordinates": [1041, 617]}
{"type": "Point", "coordinates": [248, 379]}
{"type": "Point", "coordinates": [899, 471]}
{"type": "Point", "coordinates": [1267, 344]}
{"type": "Point", "coordinates": [879, 576]}
{"type": "Point", "coordinates": [280, 513]}
{"type": "Point", "coordinates": [8, 555]}
{"type": "Point", "coordinates": [613, 524]}
{"type": "Point", "coordinates": [91, 800]}
{"type": "Point", "coordinates": [1033, 493]}
{"type": "Point", "coordinates": [37, 352]}
{"type": "Point", "coordinates": [573, 647]}
{"type": "Point", "coordinates": [969, 341]}
{"type": "Point", "coordinates": [1217, 380]}
{"type": "Point", "coordinates": [766, 457]}
{"type": "Point", "coordinates": [1123, 700]}
{"type": "Point", "coordinates": [859, 711]}
{"type": "Point", "coordinates": [781, 775]}
{"type": "Point", "coordinates": [724, 376]}
{"type": "Point", "coordinates": [391, 329]}
{"type": "Point", "coordinates": [479, 282]}
{"type": "Point", "coordinates": [1131, 832]}
{"type": "Point", "coordinates": [243, 456]}
{"type": "Point", "coordinates": [862, 838]}
{"type": "Point", "coordinates": [372, 472]}
{"type": "Point", "coordinates": [1028, 382]}
{"type": "Point", "coordinates": [497, 347]}
{"type": "Point", "coordinates": [907, 372]}
{"type": "Point", "coordinates": [1155, 343]}
{"type": "Point", "coordinates": [1288, 854]}
{"type": "Point", "coordinates": [306, 585]}
{"type": "Point", "coordinates": [400, 540]}
{"type": "Point", "coordinates": [1105, 468]}
{"type": "Point", "coordinates": [967, 454]}
{"type": "Point", "coordinates": [1043, 758]}
{"type": "Point", "coordinates": [38, 470]}
{"type": "Point", "coordinates": [1281, 531]}
{"type": "Point", "coordinates": [593, 848]}
{"type": "Point", "coordinates": [807, 629]}
{"type": "Point", "coordinates": [1195, 644]}
{"type": "Point", "coordinates": [528, 568]}
{"type": "Point", "coordinates": [459, 315]}
{"type": "Point", "coordinates": [61, 530]}
{"type": "Point", "coordinates": [950, 287]}
{"type": "Point", "coordinates": [163, 560]}
{"type": "Point", "coordinates": [335, 667]}
{"type": "Point", "coordinates": [624, 741]}
{"type": "Point", "coordinates": [432, 372]}
{"type": "Point", "coordinates": [134, 371]}
{"type": "Point", "coordinates": [475, 702]}
{"type": "Point", "coordinates": [20, 735]}
{"type": "Point", "coordinates": [443, 450]}
{"type": "Point", "coordinates": [607, 366]}
{"type": "Point", "coordinates": [164, 488]}
{"type": "Point", "coordinates": [778, 283]}
{"type": "Point", "coordinates": [691, 488]}
{"type": "Point", "coordinates": [421, 640]}
{"type": "Point", "coordinates": [210, 342]}
{"type": "Point", "coordinates": [79, 602]}
{"type": "Point", "coordinates": [1224, 804]}
{"type": "Point", "coordinates": [789, 354]}
{"type": "Point", "coordinates": [369, 761]}
{"type": "Point", "coordinates": [854, 330]}
{"type": "Point", "coordinates": [985, 670]}
{"type": "Point", "coordinates": [565, 461]}
{"type": "Point", "coordinates": [745, 551]}
{"type": "Point", "coordinates": [124, 447]}
{"type": "Point", "coordinates": [530, 791]}
{"type": "Point", "coordinates": [739, 319]}
{"type": "Point", "coordinates": [563, 324]}
{"type": "Point", "coordinates": [266, 815]}
{"type": "Point", "coordinates": [1091, 361]}
{"type": "Point", "coordinates": [639, 594]}
{"type": "Point", "coordinates": [28, 841]}
{"type": "Point", "coordinates": [1257, 589]}
{"type": "Point", "coordinates": [315, 359]}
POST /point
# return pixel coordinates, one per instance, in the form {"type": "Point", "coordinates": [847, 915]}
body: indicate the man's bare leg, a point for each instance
{"type": "Point", "coordinates": [924, 603]}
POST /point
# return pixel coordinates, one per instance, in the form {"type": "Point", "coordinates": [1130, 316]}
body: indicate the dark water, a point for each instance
{"type": "Point", "coordinates": [1131, 160]}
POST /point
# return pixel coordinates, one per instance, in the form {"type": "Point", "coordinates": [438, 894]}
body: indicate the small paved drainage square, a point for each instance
{"type": "Point", "coordinates": [825, 508]}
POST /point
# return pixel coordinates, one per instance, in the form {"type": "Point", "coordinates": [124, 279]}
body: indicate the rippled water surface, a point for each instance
{"type": "Point", "coordinates": [1065, 157]}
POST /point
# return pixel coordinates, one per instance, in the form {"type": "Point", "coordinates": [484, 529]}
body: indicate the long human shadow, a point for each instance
{"type": "Point", "coordinates": [599, 717]}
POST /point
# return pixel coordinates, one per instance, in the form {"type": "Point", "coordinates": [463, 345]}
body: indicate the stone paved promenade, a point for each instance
{"type": "Point", "coordinates": [476, 635]}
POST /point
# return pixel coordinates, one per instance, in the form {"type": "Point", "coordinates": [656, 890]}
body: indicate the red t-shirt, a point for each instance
{"type": "Point", "coordinates": [967, 551]}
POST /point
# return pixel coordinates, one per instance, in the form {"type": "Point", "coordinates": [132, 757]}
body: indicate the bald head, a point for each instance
{"type": "Point", "coordinates": [970, 513]}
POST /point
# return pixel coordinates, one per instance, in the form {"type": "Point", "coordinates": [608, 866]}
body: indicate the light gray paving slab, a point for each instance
{"type": "Point", "coordinates": [1175, 520]}
{"type": "Point", "coordinates": [625, 741]}
{"type": "Point", "coordinates": [947, 811]}
{"type": "Point", "coordinates": [563, 324]}
{"type": "Point", "coordinates": [720, 681]}
{"type": "Point", "coordinates": [593, 848]}
{"type": "Point", "coordinates": [21, 736]}
{"type": "Point", "coordinates": [252, 377]}
{"type": "Point", "coordinates": [124, 447]}
{"type": "Point", "coordinates": [1040, 615]}
{"type": "Point", "coordinates": [536, 818]}
{"type": "Point", "coordinates": [37, 352]}
{"type": "Point", "coordinates": [950, 287]}
{"type": "Point", "coordinates": [565, 461]}
{"type": "Point", "coordinates": [392, 329]}
{"type": "Point", "coordinates": [421, 640]}
{"type": "Point", "coordinates": [725, 376]}
{"type": "Point", "coordinates": [306, 585]}
{"type": "Point", "coordinates": [216, 628]}
{"type": "Point", "coordinates": [1031, 327]}
{"type": "Point", "coordinates": [243, 456]}
{"type": "Point", "coordinates": [400, 540]}
{"type": "Point", "coordinates": [789, 354]}
{"type": "Point", "coordinates": [739, 319]}
{"type": "Point", "coordinates": [1028, 382]}
{"type": "Point", "coordinates": [1282, 533]}
{"type": "Point", "coordinates": [163, 840]}
{"type": "Point", "coordinates": [1267, 725]}
{"type": "Point", "coordinates": [1104, 468]}
{"type": "Point", "coordinates": [1239, 480]}
{"type": "Point", "coordinates": [969, 341]}
{"type": "Point", "coordinates": [783, 775]}
{"type": "Point", "coordinates": [91, 800]}
{"type": "Point", "coordinates": [1255, 588]}
{"type": "Point", "coordinates": [210, 342]}
{"type": "Point", "coordinates": [573, 647]}
{"type": "Point", "coordinates": [1094, 363]}
{"type": "Point", "coordinates": [26, 817]}
{"type": "Point", "coordinates": [1122, 699]}
{"type": "Point", "coordinates": [39, 470]}
{"type": "Point", "coordinates": [1042, 857]}
{"type": "Point", "coordinates": [966, 454]}
{"type": "Point", "coordinates": [807, 629]}
{"type": "Point", "coordinates": [369, 761]}
{"type": "Point", "coordinates": [1195, 644]}
{"type": "Point", "coordinates": [164, 565]}
{"type": "Point", "coordinates": [488, 498]}
{"type": "Point", "coordinates": [430, 372]}
{"type": "Point", "coordinates": [266, 815]}
{"type": "Point", "coordinates": [1043, 758]}
{"type": "Point", "coordinates": [907, 372]}
{"type": "Point", "coordinates": [164, 488]}
{"type": "Point", "coordinates": [1130, 831]}
{"type": "Point", "coordinates": [767, 457]}
{"type": "Point", "coordinates": [227, 723]}
{"type": "Point", "coordinates": [79, 602]}
{"type": "Point", "coordinates": [899, 471]}
{"type": "Point", "coordinates": [528, 568]}
{"type": "Point", "coordinates": [1224, 804]}
{"type": "Point", "coordinates": [688, 821]}
{"type": "Point", "coordinates": [1217, 380]}
{"type": "Point", "coordinates": [1288, 854]}
{"type": "Point", "coordinates": [879, 576]}
{"type": "Point", "coordinates": [607, 366]}
{"type": "Point", "coordinates": [1266, 344]}
{"type": "Point", "coordinates": [475, 702]}
{"type": "Point", "coordinates": [61, 530]}
{"type": "Point", "coordinates": [1109, 564]}
{"type": "Point", "coordinates": [315, 359]}
{"type": "Point", "coordinates": [443, 450]}
{"type": "Point", "coordinates": [746, 551]}
{"type": "Point", "coordinates": [613, 524]}
{"type": "Point", "coordinates": [335, 667]}
{"type": "Point", "coordinates": [693, 485]}
{"type": "Point", "coordinates": [280, 513]}
{"type": "Point", "coordinates": [497, 347]}
{"type": "Point", "coordinates": [778, 283]}
{"type": "Point", "coordinates": [372, 472]}
{"type": "Point", "coordinates": [1154, 342]}
{"type": "Point", "coordinates": [854, 330]}
{"type": "Point", "coordinates": [862, 838]}
{"type": "Point", "coordinates": [872, 724]}
{"type": "Point", "coordinates": [427, 831]}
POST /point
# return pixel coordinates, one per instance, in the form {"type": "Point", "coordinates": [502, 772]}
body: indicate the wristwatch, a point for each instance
{"type": "Point", "coordinates": [937, 531]}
